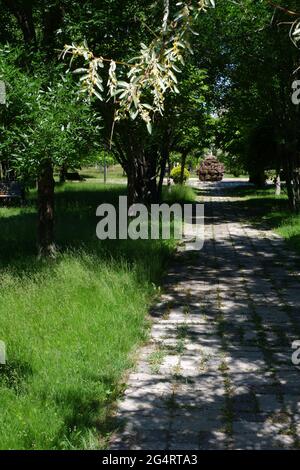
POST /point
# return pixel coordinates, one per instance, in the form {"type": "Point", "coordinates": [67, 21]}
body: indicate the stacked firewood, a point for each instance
{"type": "Point", "coordinates": [211, 169]}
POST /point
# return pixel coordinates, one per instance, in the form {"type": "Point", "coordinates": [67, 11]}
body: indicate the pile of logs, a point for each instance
{"type": "Point", "coordinates": [211, 169]}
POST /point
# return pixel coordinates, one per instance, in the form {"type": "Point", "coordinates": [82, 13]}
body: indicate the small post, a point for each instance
{"type": "Point", "coordinates": [105, 168]}
{"type": "Point", "coordinates": [278, 185]}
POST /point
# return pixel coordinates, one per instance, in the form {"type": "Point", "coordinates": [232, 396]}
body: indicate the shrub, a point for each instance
{"type": "Point", "coordinates": [176, 175]}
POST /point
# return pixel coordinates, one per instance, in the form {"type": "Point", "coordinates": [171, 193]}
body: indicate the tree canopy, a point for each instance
{"type": "Point", "coordinates": [198, 77]}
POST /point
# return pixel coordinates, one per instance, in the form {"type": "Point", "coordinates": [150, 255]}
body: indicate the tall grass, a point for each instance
{"type": "Point", "coordinates": [70, 325]}
{"type": "Point", "coordinates": [179, 193]}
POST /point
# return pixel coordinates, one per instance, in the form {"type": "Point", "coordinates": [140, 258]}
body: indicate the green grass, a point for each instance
{"type": "Point", "coordinates": [178, 193]}
{"type": "Point", "coordinates": [93, 174]}
{"type": "Point", "coordinates": [264, 207]}
{"type": "Point", "coordinates": [72, 324]}
{"type": "Point", "coordinates": [114, 173]}
{"type": "Point", "coordinates": [290, 230]}
{"type": "Point", "coordinates": [231, 176]}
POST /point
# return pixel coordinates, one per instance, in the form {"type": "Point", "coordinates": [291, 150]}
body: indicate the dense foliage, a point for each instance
{"type": "Point", "coordinates": [43, 119]}
{"type": "Point", "coordinates": [251, 62]}
{"type": "Point", "coordinates": [223, 97]}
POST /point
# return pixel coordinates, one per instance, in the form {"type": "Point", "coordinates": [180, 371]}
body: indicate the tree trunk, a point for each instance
{"type": "Point", "coordinates": [183, 162]}
{"type": "Point", "coordinates": [142, 184]}
{"type": "Point", "coordinates": [104, 171]}
{"type": "Point", "coordinates": [63, 173]}
{"type": "Point", "coordinates": [164, 160]}
{"type": "Point", "coordinates": [53, 18]}
{"type": "Point", "coordinates": [258, 178]}
{"type": "Point", "coordinates": [22, 10]}
{"type": "Point", "coordinates": [141, 158]}
{"type": "Point", "coordinates": [293, 187]}
{"type": "Point", "coordinates": [46, 245]}
{"type": "Point", "coordinates": [296, 191]}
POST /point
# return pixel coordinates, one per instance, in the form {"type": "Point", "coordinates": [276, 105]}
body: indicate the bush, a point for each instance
{"type": "Point", "coordinates": [176, 175]}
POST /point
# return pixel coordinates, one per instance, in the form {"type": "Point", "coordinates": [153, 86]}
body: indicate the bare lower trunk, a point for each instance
{"type": "Point", "coordinates": [23, 14]}
{"type": "Point", "coordinates": [258, 178]}
{"type": "Point", "coordinates": [105, 173]}
{"type": "Point", "coordinates": [141, 190]}
{"type": "Point", "coordinates": [164, 161]}
{"type": "Point", "coordinates": [292, 170]}
{"type": "Point", "coordinates": [183, 162]}
{"type": "Point", "coordinates": [142, 184]}
{"type": "Point", "coordinates": [46, 245]}
{"type": "Point", "coordinates": [63, 173]}
{"type": "Point", "coordinates": [293, 187]}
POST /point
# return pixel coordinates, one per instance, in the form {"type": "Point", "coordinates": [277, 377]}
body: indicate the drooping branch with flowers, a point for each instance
{"type": "Point", "coordinates": [151, 75]}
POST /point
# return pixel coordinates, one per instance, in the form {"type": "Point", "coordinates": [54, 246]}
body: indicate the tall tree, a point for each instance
{"type": "Point", "coordinates": [146, 80]}
{"type": "Point", "coordinates": [43, 125]}
{"type": "Point", "coordinates": [23, 12]}
{"type": "Point", "coordinates": [252, 84]}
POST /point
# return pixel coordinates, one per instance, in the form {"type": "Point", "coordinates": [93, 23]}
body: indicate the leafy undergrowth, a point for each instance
{"type": "Point", "coordinates": [70, 325]}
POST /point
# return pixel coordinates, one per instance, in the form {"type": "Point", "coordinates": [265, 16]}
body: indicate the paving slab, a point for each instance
{"type": "Point", "coordinates": [217, 372]}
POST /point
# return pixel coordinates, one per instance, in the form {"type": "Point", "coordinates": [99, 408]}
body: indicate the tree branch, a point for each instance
{"type": "Point", "coordinates": [166, 15]}
{"type": "Point", "coordinates": [285, 10]}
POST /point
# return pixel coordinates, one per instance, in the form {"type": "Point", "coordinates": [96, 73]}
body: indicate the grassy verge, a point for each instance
{"type": "Point", "coordinates": [178, 193]}
{"type": "Point", "coordinates": [272, 210]}
{"type": "Point", "coordinates": [231, 176]}
{"type": "Point", "coordinates": [114, 173]}
{"type": "Point", "coordinates": [70, 325]}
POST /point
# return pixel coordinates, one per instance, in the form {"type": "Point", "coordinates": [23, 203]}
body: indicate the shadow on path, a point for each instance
{"type": "Point", "coordinates": [218, 370]}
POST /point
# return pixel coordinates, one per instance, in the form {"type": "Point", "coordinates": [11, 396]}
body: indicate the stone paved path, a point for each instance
{"type": "Point", "coordinates": [218, 373]}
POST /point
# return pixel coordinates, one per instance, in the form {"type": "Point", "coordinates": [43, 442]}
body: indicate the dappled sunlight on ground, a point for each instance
{"type": "Point", "coordinates": [218, 372]}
